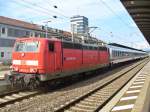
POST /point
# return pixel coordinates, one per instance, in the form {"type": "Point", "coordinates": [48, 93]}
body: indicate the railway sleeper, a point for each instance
{"type": "Point", "coordinates": [96, 95]}
{"type": "Point", "coordinates": [78, 109]}
{"type": "Point", "coordinates": [23, 94]}
{"type": "Point", "coordinates": [16, 95]}
{"type": "Point", "coordinates": [3, 100]}
{"type": "Point", "coordinates": [9, 98]}
{"type": "Point", "coordinates": [67, 111]}
{"type": "Point", "coordinates": [95, 98]}
{"type": "Point", "coordinates": [90, 107]}
{"type": "Point", "coordinates": [88, 103]}
{"type": "Point", "coordinates": [91, 100]}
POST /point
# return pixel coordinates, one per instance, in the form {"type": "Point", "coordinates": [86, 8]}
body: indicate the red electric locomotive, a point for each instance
{"type": "Point", "coordinates": [35, 60]}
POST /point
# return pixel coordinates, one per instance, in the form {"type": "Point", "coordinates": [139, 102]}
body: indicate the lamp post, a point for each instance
{"type": "Point", "coordinates": [73, 30]}
{"type": "Point", "coordinates": [46, 22]}
{"type": "Point", "coordinates": [46, 28]}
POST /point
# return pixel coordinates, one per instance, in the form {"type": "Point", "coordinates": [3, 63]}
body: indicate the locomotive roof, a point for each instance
{"type": "Point", "coordinates": [119, 45]}
{"type": "Point", "coordinates": [37, 38]}
{"type": "Point", "coordinates": [84, 44]}
{"type": "Point", "coordinates": [55, 39]}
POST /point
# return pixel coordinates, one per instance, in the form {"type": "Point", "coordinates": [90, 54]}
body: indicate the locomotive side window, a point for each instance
{"type": "Point", "coordinates": [68, 45]}
{"type": "Point", "coordinates": [51, 47]}
{"type": "Point", "coordinates": [85, 47]}
{"type": "Point", "coordinates": [71, 45]}
{"type": "Point", "coordinates": [102, 48]}
{"type": "Point", "coordinates": [77, 46]}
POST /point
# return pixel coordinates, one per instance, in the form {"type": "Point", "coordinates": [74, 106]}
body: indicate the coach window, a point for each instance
{"type": "Point", "coordinates": [51, 47]}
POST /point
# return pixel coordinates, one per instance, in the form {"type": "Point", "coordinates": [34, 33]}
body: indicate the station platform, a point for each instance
{"type": "Point", "coordinates": [134, 97]}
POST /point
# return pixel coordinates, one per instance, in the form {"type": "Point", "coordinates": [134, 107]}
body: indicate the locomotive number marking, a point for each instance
{"type": "Point", "coordinates": [69, 58]}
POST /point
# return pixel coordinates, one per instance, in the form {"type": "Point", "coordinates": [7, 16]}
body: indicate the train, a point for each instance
{"type": "Point", "coordinates": [37, 60]}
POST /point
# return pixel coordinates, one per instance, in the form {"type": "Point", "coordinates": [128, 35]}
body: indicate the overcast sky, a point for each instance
{"type": "Point", "coordinates": [113, 22]}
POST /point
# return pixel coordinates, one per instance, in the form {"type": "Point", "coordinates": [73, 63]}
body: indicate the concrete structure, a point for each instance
{"type": "Point", "coordinates": [140, 12]}
{"type": "Point", "coordinates": [79, 25]}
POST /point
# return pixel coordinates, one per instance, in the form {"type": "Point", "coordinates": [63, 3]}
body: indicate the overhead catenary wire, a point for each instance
{"type": "Point", "coordinates": [108, 7]}
{"type": "Point", "coordinates": [119, 18]}
{"type": "Point", "coordinates": [45, 9]}
{"type": "Point", "coordinates": [34, 8]}
{"type": "Point", "coordinates": [103, 24]}
{"type": "Point", "coordinates": [112, 11]}
{"type": "Point", "coordinates": [37, 10]}
{"type": "Point", "coordinates": [31, 8]}
{"type": "Point", "coordinates": [58, 7]}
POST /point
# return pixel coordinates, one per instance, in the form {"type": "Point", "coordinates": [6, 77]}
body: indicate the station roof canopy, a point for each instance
{"type": "Point", "coordinates": [140, 12]}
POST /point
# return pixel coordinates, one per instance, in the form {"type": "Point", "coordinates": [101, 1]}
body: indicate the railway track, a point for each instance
{"type": "Point", "coordinates": [91, 101]}
{"type": "Point", "coordinates": [16, 95]}
{"type": "Point", "coordinates": [31, 94]}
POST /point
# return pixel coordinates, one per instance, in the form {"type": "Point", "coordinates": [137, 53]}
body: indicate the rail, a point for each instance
{"type": "Point", "coordinates": [88, 101]}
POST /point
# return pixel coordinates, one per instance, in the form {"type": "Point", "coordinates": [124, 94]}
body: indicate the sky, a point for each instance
{"type": "Point", "coordinates": [113, 21]}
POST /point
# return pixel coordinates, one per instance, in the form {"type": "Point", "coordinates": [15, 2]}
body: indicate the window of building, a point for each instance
{"type": "Point", "coordinates": [37, 34]}
{"type": "Point", "coordinates": [2, 54]}
{"type": "Point", "coordinates": [32, 34]}
{"type": "Point", "coordinates": [3, 30]}
{"type": "Point", "coordinates": [13, 32]}
{"type": "Point", "coordinates": [27, 33]}
{"type": "Point", "coordinates": [6, 42]}
{"type": "Point", "coordinates": [104, 49]}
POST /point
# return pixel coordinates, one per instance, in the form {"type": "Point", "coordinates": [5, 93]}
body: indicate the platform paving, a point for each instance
{"type": "Point", "coordinates": [135, 96]}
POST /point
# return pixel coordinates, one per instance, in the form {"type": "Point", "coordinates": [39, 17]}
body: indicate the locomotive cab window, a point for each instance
{"type": "Point", "coordinates": [51, 47]}
{"type": "Point", "coordinates": [27, 46]}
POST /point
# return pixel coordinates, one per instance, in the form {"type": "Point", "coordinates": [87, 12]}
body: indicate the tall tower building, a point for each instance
{"type": "Point", "coordinates": [79, 25]}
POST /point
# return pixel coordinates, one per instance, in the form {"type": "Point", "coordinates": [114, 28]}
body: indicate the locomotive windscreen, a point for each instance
{"type": "Point", "coordinates": [27, 46]}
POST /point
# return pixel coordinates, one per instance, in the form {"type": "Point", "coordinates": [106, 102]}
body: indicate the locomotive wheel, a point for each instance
{"type": "Point", "coordinates": [33, 84]}
{"type": "Point", "coordinates": [21, 83]}
{"type": "Point", "coordinates": [12, 81]}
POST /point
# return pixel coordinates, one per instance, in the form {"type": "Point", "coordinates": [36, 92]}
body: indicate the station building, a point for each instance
{"type": "Point", "coordinates": [79, 24]}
